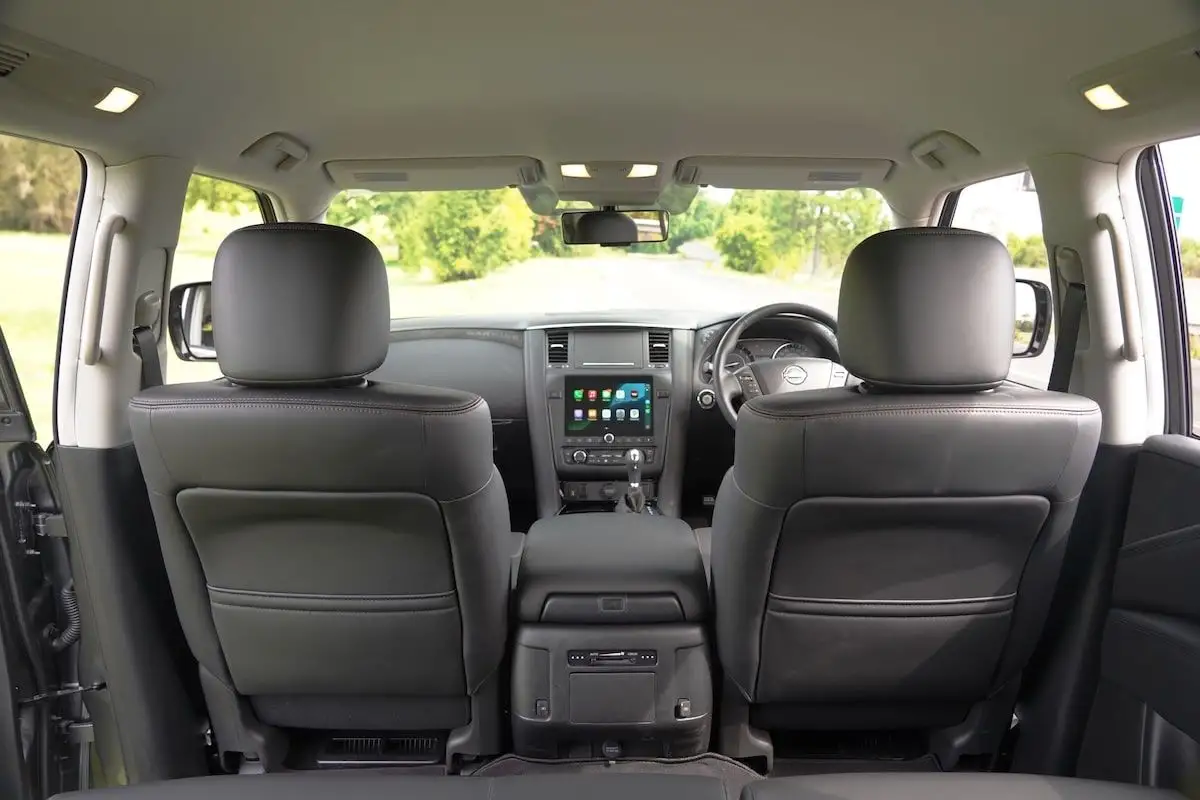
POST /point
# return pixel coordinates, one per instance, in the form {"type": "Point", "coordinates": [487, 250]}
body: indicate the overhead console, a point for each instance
{"type": "Point", "coordinates": [597, 392]}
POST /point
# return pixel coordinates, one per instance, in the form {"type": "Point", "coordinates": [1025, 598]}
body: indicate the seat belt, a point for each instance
{"type": "Point", "coordinates": [146, 346]}
{"type": "Point", "coordinates": [1074, 305]}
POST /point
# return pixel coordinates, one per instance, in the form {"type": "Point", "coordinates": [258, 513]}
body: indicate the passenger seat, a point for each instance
{"type": "Point", "coordinates": [947, 786]}
{"type": "Point", "coordinates": [338, 549]}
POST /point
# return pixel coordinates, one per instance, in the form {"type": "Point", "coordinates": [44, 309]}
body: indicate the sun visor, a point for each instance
{"type": "Point", "coordinates": [729, 172]}
{"type": "Point", "coordinates": [435, 174]}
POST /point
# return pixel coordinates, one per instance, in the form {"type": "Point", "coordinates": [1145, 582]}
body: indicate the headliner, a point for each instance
{"type": "Point", "coordinates": [639, 80]}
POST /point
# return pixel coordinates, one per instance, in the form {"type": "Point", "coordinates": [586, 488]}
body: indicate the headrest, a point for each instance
{"type": "Point", "coordinates": [927, 309]}
{"type": "Point", "coordinates": [606, 227]}
{"type": "Point", "coordinates": [299, 304]}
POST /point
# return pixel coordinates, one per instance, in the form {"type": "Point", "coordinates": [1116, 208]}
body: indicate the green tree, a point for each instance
{"type": "Point", "coordinates": [744, 242]}
{"type": "Point", "coordinates": [1027, 251]}
{"type": "Point", "coordinates": [467, 234]}
{"type": "Point", "coordinates": [393, 220]}
{"type": "Point", "coordinates": [218, 195]}
{"type": "Point", "coordinates": [39, 186]}
{"type": "Point", "coordinates": [1189, 251]}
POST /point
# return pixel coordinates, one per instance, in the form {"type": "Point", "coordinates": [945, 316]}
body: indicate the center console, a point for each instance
{"type": "Point", "coordinates": [611, 657]}
{"type": "Point", "coordinates": [604, 391]}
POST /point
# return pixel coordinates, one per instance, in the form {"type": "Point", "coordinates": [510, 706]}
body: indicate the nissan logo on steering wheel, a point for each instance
{"type": "Point", "coordinates": [795, 375]}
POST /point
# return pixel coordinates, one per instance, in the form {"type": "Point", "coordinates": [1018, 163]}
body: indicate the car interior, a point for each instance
{"type": "Point", "coordinates": [778, 465]}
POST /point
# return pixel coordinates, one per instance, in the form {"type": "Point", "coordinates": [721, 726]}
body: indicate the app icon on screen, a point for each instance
{"type": "Point", "coordinates": [633, 393]}
{"type": "Point", "coordinates": [578, 394]}
{"type": "Point", "coordinates": [606, 394]}
{"type": "Point", "coordinates": [620, 394]}
{"type": "Point", "coordinates": [620, 414]}
{"type": "Point", "coordinates": [579, 413]}
{"type": "Point", "coordinates": [633, 413]}
{"type": "Point", "coordinates": [591, 413]}
{"type": "Point", "coordinates": [606, 414]}
{"type": "Point", "coordinates": [591, 394]}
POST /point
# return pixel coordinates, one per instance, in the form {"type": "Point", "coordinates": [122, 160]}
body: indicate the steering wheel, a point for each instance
{"type": "Point", "coordinates": [775, 375]}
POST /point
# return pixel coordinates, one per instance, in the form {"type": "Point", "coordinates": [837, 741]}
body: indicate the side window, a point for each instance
{"type": "Point", "coordinates": [1007, 208]}
{"type": "Point", "coordinates": [1181, 164]}
{"type": "Point", "coordinates": [39, 192]}
{"type": "Point", "coordinates": [212, 209]}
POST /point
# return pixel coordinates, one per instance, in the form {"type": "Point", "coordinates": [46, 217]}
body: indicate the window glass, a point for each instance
{"type": "Point", "coordinates": [473, 252]}
{"type": "Point", "coordinates": [1007, 208]}
{"type": "Point", "coordinates": [39, 191]}
{"type": "Point", "coordinates": [1181, 163]}
{"type": "Point", "coordinates": [212, 209]}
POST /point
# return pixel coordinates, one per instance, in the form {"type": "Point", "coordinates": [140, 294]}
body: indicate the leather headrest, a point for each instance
{"type": "Point", "coordinates": [927, 309]}
{"type": "Point", "coordinates": [299, 304]}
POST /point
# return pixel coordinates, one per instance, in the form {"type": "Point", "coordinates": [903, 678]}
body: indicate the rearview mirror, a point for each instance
{"type": "Point", "coordinates": [1032, 328]}
{"type": "Point", "coordinates": [611, 228]}
{"type": "Point", "coordinates": [189, 320]}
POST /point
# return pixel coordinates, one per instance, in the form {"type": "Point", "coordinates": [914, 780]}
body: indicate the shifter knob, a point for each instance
{"type": "Point", "coordinates": [633, 465]}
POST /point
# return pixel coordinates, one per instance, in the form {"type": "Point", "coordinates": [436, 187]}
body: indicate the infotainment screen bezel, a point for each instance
{"type": "Point", "coordinates": [585, 384]}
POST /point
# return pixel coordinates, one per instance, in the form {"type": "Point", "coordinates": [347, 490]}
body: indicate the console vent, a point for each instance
{"type": "Point", "coordinates": [10, 59]}
{"type": "Point", "coordinates": [660, 347]}
{"type": "Point", "coordinates": [557, 348]}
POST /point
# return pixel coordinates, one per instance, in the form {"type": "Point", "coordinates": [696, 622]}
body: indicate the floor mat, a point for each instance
{"type": "Point", "coordinates": [820, 766]}
{"type": "Point", "coordinates": [733, 773]}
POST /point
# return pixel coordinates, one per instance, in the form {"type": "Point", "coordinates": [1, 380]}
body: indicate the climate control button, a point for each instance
{"type": "Point", "coordinates": [579, 456]}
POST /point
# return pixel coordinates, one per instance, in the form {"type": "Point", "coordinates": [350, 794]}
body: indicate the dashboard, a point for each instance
{"type": "Point", "coordinates": [570, 394]}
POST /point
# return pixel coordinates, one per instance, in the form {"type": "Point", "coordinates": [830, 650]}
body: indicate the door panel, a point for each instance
{"type": "Point", "coordinates": [1145, 720]}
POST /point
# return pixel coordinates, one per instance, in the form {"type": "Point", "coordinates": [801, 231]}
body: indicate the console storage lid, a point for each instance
{"type": "Point", "coordinates": [610, 568]}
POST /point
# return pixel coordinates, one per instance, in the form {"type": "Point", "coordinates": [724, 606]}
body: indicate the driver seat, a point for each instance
{"type": "Point", "coordinates": [883, 555]}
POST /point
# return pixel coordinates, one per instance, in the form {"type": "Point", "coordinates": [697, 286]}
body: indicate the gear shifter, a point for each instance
{"type": "Point", "coordinates": [634, 500]}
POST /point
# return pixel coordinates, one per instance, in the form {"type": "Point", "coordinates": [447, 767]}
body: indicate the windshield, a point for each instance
{"type": "Point", "coordinates": [484, 252]}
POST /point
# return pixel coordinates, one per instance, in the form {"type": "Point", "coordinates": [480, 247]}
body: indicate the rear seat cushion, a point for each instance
{"type": "Point", "coordinates": [385, 785]}
{"type": "Point", "coordinates": [947, 786]}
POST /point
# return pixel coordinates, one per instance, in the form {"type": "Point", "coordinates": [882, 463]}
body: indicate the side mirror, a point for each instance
{"type": "Point", "coordinates": [1032, 328]}
{"type": "Point", "coordinates": [189, 320]}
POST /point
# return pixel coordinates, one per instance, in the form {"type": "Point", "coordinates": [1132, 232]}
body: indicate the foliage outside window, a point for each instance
{"type": "Point", "coordinates": [39, 192]}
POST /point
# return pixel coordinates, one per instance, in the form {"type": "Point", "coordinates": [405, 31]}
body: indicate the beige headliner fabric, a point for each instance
{"type": "Point", "coordinates": [645, 80]}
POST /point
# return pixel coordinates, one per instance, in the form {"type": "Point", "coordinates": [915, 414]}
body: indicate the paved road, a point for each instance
{"type": "Point", "coordinates": [595, 284]}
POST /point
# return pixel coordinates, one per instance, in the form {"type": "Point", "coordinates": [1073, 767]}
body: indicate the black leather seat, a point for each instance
{"type": "Point", "coordinates": [883, 556]}
{"type": "Point", "coordinates": [380, 785]}
{"type": "Point", "coordinates": [339, 550]}
{"type": "Point", "coordinates": [947, 786]}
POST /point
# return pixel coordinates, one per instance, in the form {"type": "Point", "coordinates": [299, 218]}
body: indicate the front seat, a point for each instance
{"type": "Point", "coordinates": [883, 555]}
{"type": "Point", "coordinates": [338, 549]}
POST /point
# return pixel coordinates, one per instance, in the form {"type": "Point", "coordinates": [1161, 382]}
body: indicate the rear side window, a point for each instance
{"type": "Point", "coordinates": [1181, 165]}
{"type": "Point", "coordinates": [39, 194]}
{"type": "Point", "coordinates": [1007, 208]}
{"type": "Point", "coordinates": [212, 209]}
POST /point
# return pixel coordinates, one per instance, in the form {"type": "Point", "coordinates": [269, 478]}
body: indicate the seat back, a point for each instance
{"type": "Point", "coordinates": [884, 555]}
{"type": "Point", "coordinates": [338, 549]}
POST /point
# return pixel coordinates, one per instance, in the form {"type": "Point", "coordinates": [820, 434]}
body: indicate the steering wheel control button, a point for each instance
{"type": "Point", "coordinates": [706, 398]}
{"type": "Point", "coordinates": [838, 376]}
{"type": "Point", "coordinates": [609, 438]}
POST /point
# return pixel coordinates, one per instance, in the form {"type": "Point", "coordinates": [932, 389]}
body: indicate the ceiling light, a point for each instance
{"type": "Point", "coordinates": [117, 101]}
{"type": "Point", "coordinates": [574, 171]}
{"type": "Point", "coordinates": [643, 171]}
{"type": "Point", "coordinates": [1105, 97]}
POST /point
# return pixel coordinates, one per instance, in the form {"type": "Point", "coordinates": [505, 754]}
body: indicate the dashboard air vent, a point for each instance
{"type": "Point", "coordinates": [557, 347]}
{"type": "Point", "coordinates": [10, 59]}
{"type": "Point", "coordinates": [660, 347]}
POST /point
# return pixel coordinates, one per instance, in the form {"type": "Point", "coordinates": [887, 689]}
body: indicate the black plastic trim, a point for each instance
{"type": "Point", "coordinates": [62, 306]}
{"type": "Point", "coordinates": [1168, 284]}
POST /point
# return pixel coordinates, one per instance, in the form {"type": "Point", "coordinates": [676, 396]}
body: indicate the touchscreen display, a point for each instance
{"type": "Point", "coordinates": [596, 406]}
